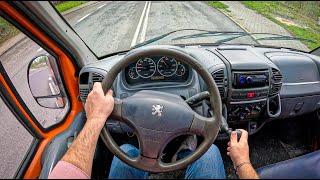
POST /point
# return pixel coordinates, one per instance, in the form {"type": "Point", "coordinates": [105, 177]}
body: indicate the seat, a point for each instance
{"type": "Point", "coordinates": [303, 167]}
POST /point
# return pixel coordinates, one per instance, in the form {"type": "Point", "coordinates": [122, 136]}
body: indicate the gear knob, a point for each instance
{"type": "Point", "coordinates": [239, 133]}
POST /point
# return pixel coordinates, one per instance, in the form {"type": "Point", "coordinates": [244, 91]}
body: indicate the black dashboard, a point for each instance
{"type": "Point", "coordinates": [256, 84]}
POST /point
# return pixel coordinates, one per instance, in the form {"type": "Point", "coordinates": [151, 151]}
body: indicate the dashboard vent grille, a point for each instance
{"type": "Point", "coordinates": [97, 77]}
{"type": "Point", "coordinates": [84, 93]}
{"type": "Point", "coordinates": [277, 77]}
{"type": "Point", "coordinates": [276, 81]}
{"type": "Point", "coordinates": [218, 77]}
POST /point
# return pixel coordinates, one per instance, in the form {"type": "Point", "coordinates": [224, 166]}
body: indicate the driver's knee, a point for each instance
{"type": "Point", "coordinates": [214, 150]}
{"type": "Point", "coordinates": [208, 166]}
{"type": "Point", "coordinates": [121, 170]}
{"type": "Point", "coordinates": [213, 153]}
{"type": "Point", "coordinates": [130, 150]}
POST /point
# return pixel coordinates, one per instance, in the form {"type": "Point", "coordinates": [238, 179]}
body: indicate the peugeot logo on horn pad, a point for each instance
{"type": "Point", "coordinates": [157, 110]}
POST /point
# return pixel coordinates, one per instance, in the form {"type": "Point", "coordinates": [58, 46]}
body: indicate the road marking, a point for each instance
{"type": "Point", "coordinates": [40, 49]}
{"type": "Point", "coordinates": [83, 17]}
{"type": "Point", "coordinates": [100, 6]}
{"type": "Point", "coordinates": [135, 37]}
{"type": "Point", "coordinates": [145, 24]}
{"type": "Point", "coordinates": [53, 92]}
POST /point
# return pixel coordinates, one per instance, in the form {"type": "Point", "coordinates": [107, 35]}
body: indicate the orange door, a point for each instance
{"type": "Point", "coordinates": [14, 99]}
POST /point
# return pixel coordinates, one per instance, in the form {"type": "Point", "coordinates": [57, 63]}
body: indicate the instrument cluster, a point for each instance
{"type": "Point", "coordinates": [156, 69]}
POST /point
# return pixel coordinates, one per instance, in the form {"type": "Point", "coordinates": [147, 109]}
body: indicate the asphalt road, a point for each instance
{"type": "Point", "coordinates": [39, 82]}
{"type": "Point", "coordinates": [106, 27]}
{"type": "Point", "coordinates": [115, 26]}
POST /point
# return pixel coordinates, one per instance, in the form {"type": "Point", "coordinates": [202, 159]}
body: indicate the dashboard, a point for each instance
{"type": "Point", "coordinates": [156, 69]}
{"type": "Point", "coordinates": [256, 84]}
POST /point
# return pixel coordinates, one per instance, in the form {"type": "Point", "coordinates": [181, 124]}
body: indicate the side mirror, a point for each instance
{"type": "Point", "coordinates": [44, 82]}
{"type": "Point", "coordinates": [316, 51]}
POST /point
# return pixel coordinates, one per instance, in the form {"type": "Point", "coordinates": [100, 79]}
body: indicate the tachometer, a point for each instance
{"type": "Point", "coordinates": [167, 66]}
{"type": "Point", "coordinates": [146, 67]}
{"type": "Point", "coordinates": [181, 70]}
{"type": "Point", "coordinates": [133, 73]}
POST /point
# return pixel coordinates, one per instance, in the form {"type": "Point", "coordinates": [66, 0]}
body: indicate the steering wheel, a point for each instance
{"type": "Point", "coordinates": [158, 117]}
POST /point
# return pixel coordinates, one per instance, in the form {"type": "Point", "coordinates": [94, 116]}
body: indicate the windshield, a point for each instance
{"type": "Point", "coordinates": [109, 27]}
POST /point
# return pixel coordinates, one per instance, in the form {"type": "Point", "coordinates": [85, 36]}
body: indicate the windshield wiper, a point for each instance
{"type": "Point", "coordinates": [272, 37]}
{"type": "Point", "coordinates": [205, 32]}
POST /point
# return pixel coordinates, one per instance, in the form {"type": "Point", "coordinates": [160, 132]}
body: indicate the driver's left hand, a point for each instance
{"type": "Point", "coordinates": [98, 105]}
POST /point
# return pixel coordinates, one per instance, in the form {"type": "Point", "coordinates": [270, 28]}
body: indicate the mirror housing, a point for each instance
{"type": "Point", "coordinates": [44, 82]}
{"type": "Point", "coordinates": [316, 51]}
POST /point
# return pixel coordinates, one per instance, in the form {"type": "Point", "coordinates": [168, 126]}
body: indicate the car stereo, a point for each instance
{"type": "Point", "coordinates": [250, 80]}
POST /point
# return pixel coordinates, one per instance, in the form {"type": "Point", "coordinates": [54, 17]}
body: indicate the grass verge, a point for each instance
{"type": "Point", "coordinates": [306, 26]}
{"type": "Point", "coordinates": [6, 30]}
{"type": "Point", "coordinates": [218, 5]}
{"type": "Point", "coordinates": [64, 6]}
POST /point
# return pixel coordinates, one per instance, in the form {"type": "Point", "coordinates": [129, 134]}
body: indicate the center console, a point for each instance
{"type": "Point", "coordinates": [254, 84]}
{"type": "Point", "coordinates": [249, 93]}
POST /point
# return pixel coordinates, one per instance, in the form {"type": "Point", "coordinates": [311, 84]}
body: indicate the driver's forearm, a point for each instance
{"type": "Point", "coordinates": [82, 150]}
{"type": "Point", "coordinates": [247, 172]}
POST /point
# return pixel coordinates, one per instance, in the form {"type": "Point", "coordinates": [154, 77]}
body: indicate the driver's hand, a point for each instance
{"type": "Point", "coordinates": [99, 106]}
{"type": "Point", "coordinates": [238, 151]}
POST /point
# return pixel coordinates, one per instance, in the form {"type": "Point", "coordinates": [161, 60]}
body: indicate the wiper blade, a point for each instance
{"type": "Point", "coordinates": [208, 34]}
{"type": "Point", "coordinates": [242, 34]}
{"type": "Point", "coordinates": [282, 37]}
{"type": "Point", "coordinates": [171, 32]}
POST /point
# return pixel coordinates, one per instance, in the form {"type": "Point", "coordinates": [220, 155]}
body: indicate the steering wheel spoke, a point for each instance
{"type": "Point", "coordinates": [202, 126]}
{"type": "Point", "coordinates": [117, 110]}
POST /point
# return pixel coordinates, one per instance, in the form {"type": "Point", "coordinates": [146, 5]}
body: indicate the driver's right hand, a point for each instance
{"type": "Point", "coordinates": [238, 150]}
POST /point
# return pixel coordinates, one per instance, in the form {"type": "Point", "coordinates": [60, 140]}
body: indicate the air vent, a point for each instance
{"type": "Point", "coordinates": [276, 75]}
{"type": "Point", "coordinates": [218, 77]}
{"type": "Point", "coordinates": [276, 81]}
{"type": "Point", "coordinates": [97, 77]}
{"type": "Point", "coordinates": [84, 93]}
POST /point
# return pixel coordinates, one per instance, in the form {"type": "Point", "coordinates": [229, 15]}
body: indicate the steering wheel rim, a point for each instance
{"type": "Point", "coordinates": [206, 127]}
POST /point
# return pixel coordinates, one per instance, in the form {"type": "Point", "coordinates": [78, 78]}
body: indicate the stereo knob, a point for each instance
{"type": "Point", "coordinates": [242, 80]}
{"type": "Point", "coordinates": [249, 80]}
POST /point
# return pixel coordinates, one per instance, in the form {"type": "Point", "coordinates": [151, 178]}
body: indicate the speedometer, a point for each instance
{"type": "Point", "coordinates": [146, 67]}
{"type": "Point", "coordinates": [167, 66]}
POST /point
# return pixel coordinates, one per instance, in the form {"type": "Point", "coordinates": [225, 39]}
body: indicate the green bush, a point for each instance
{"type": "Point", "coordinates": [6, 30]}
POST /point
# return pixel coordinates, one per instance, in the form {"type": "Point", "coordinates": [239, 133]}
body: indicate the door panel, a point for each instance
{"type": "Point", "coordinates": [59, 145]}
{"type": "Point", "coordinates": [69, 77]}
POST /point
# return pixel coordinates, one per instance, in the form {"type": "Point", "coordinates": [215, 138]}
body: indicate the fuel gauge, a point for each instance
{"type": "Point", "coordinates": [181, 70]}
{"type": "Point", "coordinates": [133, 73]}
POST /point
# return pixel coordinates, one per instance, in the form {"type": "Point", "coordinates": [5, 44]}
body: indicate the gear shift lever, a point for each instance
{"type": "Point", "coordinates": [225, 128]}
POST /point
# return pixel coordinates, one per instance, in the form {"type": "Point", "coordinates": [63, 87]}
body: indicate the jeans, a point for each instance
{"type": "Point", "coordinates": [209, 166]}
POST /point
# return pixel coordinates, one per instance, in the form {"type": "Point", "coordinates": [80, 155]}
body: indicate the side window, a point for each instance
{"type": "Point", "coordinates": [14, 144]}
{"type": "Point", "coordinates": [34, 74]}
